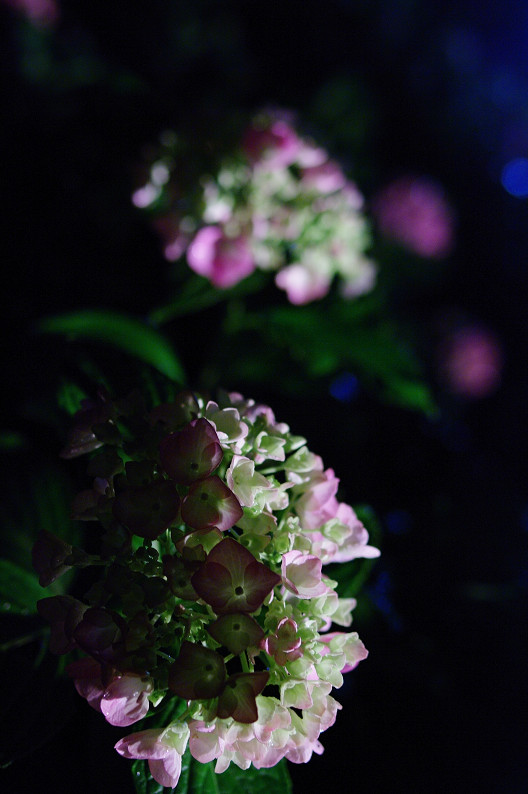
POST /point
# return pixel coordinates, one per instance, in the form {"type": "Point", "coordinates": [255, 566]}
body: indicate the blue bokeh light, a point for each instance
{"type": "Point", "coordinates": [514, 177]}
{"type": "Point", "coordinates": [345, 387]}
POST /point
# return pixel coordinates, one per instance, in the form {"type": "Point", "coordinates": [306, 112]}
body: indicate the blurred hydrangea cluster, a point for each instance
{"type": "Point", "coordinates": [43, 13]}
{"type": "Point", "coordinates": [278, 204]}
{"type": "Point", "coordinates": [470, 361]}
{"type": "Point", "coordinates": [414, 212]}
{"type": "Point", "coordinates": [216, 524]}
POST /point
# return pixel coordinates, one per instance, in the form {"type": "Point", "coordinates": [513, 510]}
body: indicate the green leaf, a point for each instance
{"type": "Point", "coordinates": [143, 781]}
{"type": "Point", "coordinates": [121, 331]}
{"type": "Point", "coordinates": [197, 778]}
{"type": "Point", "coordinates": [276, 779]}
{"type": "Point", "coordinates": [323, 340]}
{"type": "Point", "coordinates": [19, 589]}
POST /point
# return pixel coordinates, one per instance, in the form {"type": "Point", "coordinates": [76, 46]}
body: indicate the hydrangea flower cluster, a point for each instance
{"type": "Point", "coordinates": [281, 204]}
{"type": "Point", "coordinates": [414, 212]}
{"type": "Point", "coordinates": [470, 361]}
{"type": "Point", "coordinates": [217, 523]}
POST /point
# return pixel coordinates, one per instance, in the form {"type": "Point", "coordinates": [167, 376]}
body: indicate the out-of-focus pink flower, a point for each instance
{"type": "Point", "coordinates": [301, 284]}
{"type": "Point", "coordinates": [324, 178]}
{"type": "Point", "coordinates": [470, 361]}
{"type": "Point", "coordinates": [43, 13]}
{"type": "Point", "coordinates": [275, 145]}
{"type": "Point", "coordinates": [174, 239]}
{"type": "Point", "coordinates": [363, 281]}
{"type": "Point", "coordinates": [414, 212]}
{"type": "Point", "coordinates": [223, 260]}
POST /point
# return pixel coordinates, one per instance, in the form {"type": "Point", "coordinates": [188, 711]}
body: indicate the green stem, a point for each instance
{"type": "Point", "coordinates": [198, 294]}
{"type": "Point", "coordinates": [164, 314]}
{"type": "Point", "coordinates": [244, 662]}
{"type": "Point", "coordinates": [164, 656]}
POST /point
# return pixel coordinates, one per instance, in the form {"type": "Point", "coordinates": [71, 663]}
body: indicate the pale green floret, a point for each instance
{"type": "Point", "coordinates": [247, 484]}
{"type": "Point", "coordinates": [276, 497]}
{"type": "Point", "coordinates": [229, 427]}
{"type": "Point", "coordinates": [336, 531]}
{"type": "Point", "coordinates": [299, 668]}
{"type": "Point", "coordinates": [296, 694]}
{"type": "Point", "coordinates": [302, 460]}
{"type": "Point", "coordinates": [271, 447]}
{"type": "Point", "coordinates": [328, 670]}
{"type": "Point", "coordinates": [176, 736]}
{"type": "Point", "coordinates": [322, 607]}
{"type": "Point", "coordinates": [343, 614]}
{"type": "Point", "coordinates": [293, 443]}
{"type": "Point", "coordinates": [257, 522]}
{"type": "Point", "coordinates": [255, 543]}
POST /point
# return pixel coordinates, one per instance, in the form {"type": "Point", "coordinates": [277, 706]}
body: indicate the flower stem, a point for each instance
{"type": "Point", "coordinates": [244, 662]}
{"type": "Point", "coordinates": [164, 656]}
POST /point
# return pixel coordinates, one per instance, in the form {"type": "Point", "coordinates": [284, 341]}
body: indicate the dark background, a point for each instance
{"type": "Point", "coordinates": [440, 705]}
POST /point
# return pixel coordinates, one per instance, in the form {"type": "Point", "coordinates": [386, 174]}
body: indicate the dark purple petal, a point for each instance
{"type": "Point", "coordinates": [232, 580]}
{"type": "Point", "coordinates": [64, 613]}
{"type": "Point", "coordinates": [172, 416]}
{"type": "Point", "coordinates": [191, 454]}
{"type": "Point", "coordinates": [210, 503]}
{"type": "Point", "coordinates": [213, 583]}
{"type": "Point", "coordinates": [259, 580]}
{"type": "Point", "coordinates": [105, 464]}
{"type": "Point", "coordinates": [148, 511]}
{"type": "Point", "coordinates": [82, 438]}
{"type": "Point", "coordinates": [178, 574]}
{"type": "Point", "coordinates": [238, 696]}
{"type": "Point", "coordinates": [48, 556]}
{"type": "Point", "coordinates": [233, 556]}
{"type": "Point", "coordinates": [100, 634]}
{"type": "Point", "coordinates": [198, 673]}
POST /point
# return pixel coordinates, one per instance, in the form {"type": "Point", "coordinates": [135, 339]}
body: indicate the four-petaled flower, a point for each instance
{"type": "Point", "coordinates": [191, 454]}
{"type": "Point", "coordinates": [232, 580]}
{"type": "Point", "coordinates": [210, 503]}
